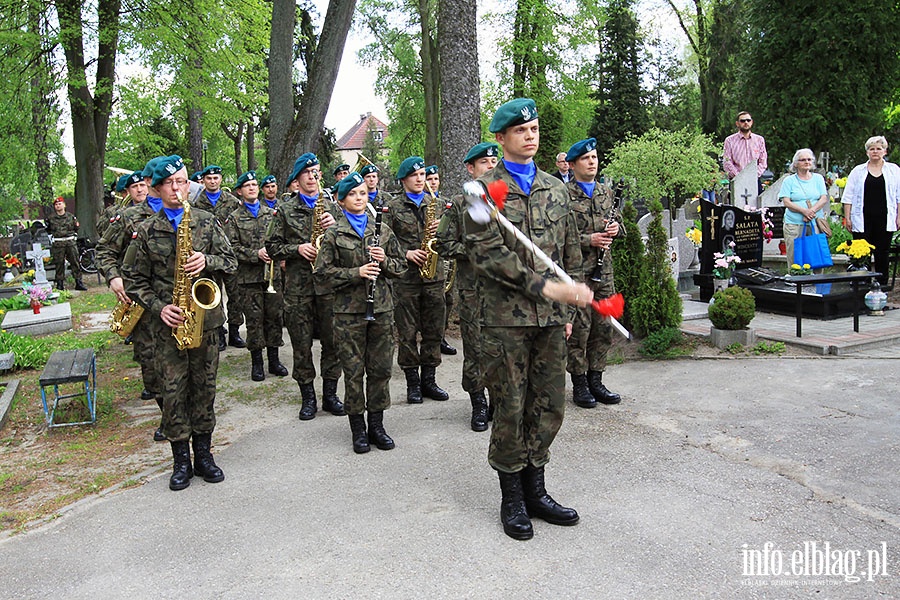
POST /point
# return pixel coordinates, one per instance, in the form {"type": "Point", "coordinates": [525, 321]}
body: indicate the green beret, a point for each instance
{"type": "Point", "coordinates": [267, 180]}
{"type": "Point", "coordinates": [581, 148]}
{"type": "Point", "coordinates": [514, 112]}
{"type": "Point", "coordinates": [302, 163]}
{"type": "Point", "coordinates": [197, 176]}
{"type": "Point", "coordinates": [431, 170]}
{"type": "Point", "coordinates": [368, 169]}
{"type": "Point", "coordinates": [165, 168]}
{"type": "Point", "coordinates": [409, 166]}
{"type": "Point", "coordinates": [346, 184]}
{"type": "Point", "coordinates": [211, 170]}
{"type": "Point", "coordinates": [481, 150]}
{"type": "Point", "coordinates": [121, 182]}
{"type": "Point", "coordinates": [245, 177]}
{"type": "Point", "coordinates": [136, 177]}
{"type": "Point", "coordinates": [339, 168]}
{"type": "Point", "coordinates": [148, 168]}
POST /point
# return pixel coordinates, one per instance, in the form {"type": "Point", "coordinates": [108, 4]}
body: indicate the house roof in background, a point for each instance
{"type": "Point", "coordinates": [356, 135]}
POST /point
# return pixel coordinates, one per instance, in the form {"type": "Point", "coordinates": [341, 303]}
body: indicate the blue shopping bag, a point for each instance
{"type": "Point", "coordinates": [812, 249]}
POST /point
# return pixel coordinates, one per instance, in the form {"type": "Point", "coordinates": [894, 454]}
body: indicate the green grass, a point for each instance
{"type": "Point", "coordinates": [93, 302]}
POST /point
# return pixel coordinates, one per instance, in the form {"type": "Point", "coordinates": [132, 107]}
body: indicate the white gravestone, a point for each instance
{"type": "Point", "coordinates": [745, 186]}
{"type": "Point", "coordinates": [37, 254]}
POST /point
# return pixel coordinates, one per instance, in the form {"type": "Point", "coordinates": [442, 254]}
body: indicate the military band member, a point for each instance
{"type": "Point", "coordinates": [212, 198]}
{"type": "Point", "coordinates": [269, 187]}
{"type": "Point", "coordinates": [371, 177]}
{"type": "Point", "coordinates": [305, 302]}
{"type": "Point", "coordinates": [63, 226]}
{"type": "Point", "coordinates": [433, 183]}
{"type": "Point", "coordinates": [197, 177]}
{"type": "Point", "coordinates": [418, 302]}
{"type": "Point", "coordinates": [188, 376]}
{"type": "Point", "coordinates": [340, 172]}
{"type": "Point", "coordinates": [592, 205]}
{"type": "Point", "coordinates": [524, 322]}
{"type": "Point", "coordinates": [352, 262]}
{"type": "Point", "coordinates": [246, 230]}
{"type": "Point", "coordinates": [450, 244]}
{"type": "Point", "coordinates": [112, 205]}
{"type": "Point", "coordinates": [111, 251]}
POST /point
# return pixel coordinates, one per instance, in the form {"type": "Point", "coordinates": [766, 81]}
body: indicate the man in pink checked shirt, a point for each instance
{"type": "Point", "coordinates": [743, 148]}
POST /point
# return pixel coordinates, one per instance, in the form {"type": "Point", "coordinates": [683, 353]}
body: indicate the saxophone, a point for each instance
{"type": "Point", "coordinates": [318, 212]}
{"type": "Point", "coordinates": [124, 317]}
{"type": "Point", "coordinates": [428, 270]}
{"type": "Point", "coordinates": [194, 299]}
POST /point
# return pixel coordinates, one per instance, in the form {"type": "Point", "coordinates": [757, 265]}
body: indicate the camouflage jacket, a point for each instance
{"type": "Point", "coordinates": [450, 241]}
{"type": "Point", "coordinates": [150, 267]}
{"type": "Point", "coordinates": [290, 228]}
{"type": "Point", "coordinates": [62, 226]}
{"type": "Point", "coordinates": [106, 218]}
{"type": "Point", "coordinates": [117, 237]}
{"type": "Point", "coordinates": [341, 256]}
{"type": "Point", "coordinates": [226, 204]}
{"type": "Point", "coordinates": [247, 235]}
{"type": "Point", "coordinates": [510, 277]}
{"type": "Point", "coordinates": [590, 217]}
{"type": "Point", "coordinates": [408, 224]}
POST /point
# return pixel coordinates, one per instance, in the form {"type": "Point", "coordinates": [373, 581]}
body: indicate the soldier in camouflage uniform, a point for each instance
{"type": "Point", "coordinates": [111, 205]}
{"type": "Point", "coordinates": [370, 176]}
{"type": "Point", "coordinates": [212, 198]}
{"type": "Point", "coordinates": [306, 302]}
{"type": "Point", "coordinates": [418, 303]}
{"type": "Point", "coordinates": [111, 250]}
{"type": "Point", "coordinates": [269, 188]}
{"type": "Point", "coordinates": [246, 229]}
{"type": "Point", "coordinates": [433, 184]}
{"type": "Point", "coordinates": [63, 226]}
{"type": "Point", "coordinates": [480, 159]}
{"type": "Point", "coordinates": [350, 259]}
{"type": "Point", "coordinates": [524, 324]}
{"type": "Point", "coordinates": [592, 204]}
{"type": "Point", "coordinates": [188, 376]}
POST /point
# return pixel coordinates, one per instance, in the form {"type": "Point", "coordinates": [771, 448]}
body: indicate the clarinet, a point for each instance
{"type": "Point", "coordinates": [597, 273]}
{"type": "Point", "coordinates": [370, 298]}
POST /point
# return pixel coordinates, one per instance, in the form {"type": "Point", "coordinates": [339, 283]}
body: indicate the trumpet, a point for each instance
{"type": "Point", "coordinates": [271, 265]}
{"type": "Point", "coordinates": [361, 162]}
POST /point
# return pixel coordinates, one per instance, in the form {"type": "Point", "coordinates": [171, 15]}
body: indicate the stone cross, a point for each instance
{"type": "Point", "coordinates": [38, 254]}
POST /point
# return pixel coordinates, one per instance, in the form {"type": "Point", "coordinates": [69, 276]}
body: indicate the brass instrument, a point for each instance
{"type": "Point", "coordinates": [361, 162]}
{"type": "Point", "coordinates": [126, 201]}
{"type": "Point", "coordinates": [451, 274]}
{"type": "Point", "coordinates": [194, 299]}
{"type": "Point", "coordinates": [318, 230]}
{"type": "Point", "coordinates": [428, 270]}
{"type": "Point", "coordinates": [124, 317]}
{"type": "Point", "coordinates": [271, 265]}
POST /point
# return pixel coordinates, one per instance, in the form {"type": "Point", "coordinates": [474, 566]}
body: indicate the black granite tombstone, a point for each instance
{"type": "Point", "coordinates": [722, 225]}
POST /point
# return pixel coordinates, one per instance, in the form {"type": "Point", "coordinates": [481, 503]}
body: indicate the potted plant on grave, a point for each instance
{"type": "Point", "coordinates": [730, 311]}
{"type": "Point", "coordinates": [37, 295]}
{"type": "Point", "coordinates": [724, 264]}
{"type": "Point", "coordinates": [859, 252]}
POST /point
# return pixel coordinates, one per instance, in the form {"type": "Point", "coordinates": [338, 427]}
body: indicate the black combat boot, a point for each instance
{"type": "Point", "coordinates": [377, 434]}
{"type": "Point", "coordinates": [539, 503]}
{"type": "Point", "coordinates": [413, 386]}
{"type": "Point", "coordinates": [330, 400]}
{"type": "Point", "coordinates": [61, 286]}
{"type": "Point", "coordinates": [204, 465]}
{"type": "Point", "coordinates": [222, 344]}
{"type": "Point", "coordinates": [479, 411]}
{"type": "Point", "coordinates": [447, 349]}
{"type": "Point", "coordinates": [257, 371]}
{"type": "Point", "coordinates": [580, 392]}
{"type": "Point", "coordinates": [147, 394]}
{"type": "Point", "coordinates": [181, 471]}
{"type": "Point", "coordinates": [79, 285]}
{"type": "Point", "coordinates": [308, 396]}
{"type": "Point", "coordinates": [430, 389]}
{"type": "Point", "coordinates": [358, 431]}
{"type": "Point", "coordinates": [275, 366]}
{"type": "Point", "coordinates": [234, 337]}
{"type": "Point", "coordinates": [599, 391]}
{"type": "Point", "coordinates": [513, 515]}
{"type": "Point", "coordinates": [158, 435]}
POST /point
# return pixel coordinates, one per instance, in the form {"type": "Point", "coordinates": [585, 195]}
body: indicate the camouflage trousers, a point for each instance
{"type": "Point", "coordinates": [589, 343]}
{"type": "Point", "coordinates": [525, 376]}
{"type": "Point", "coordinates": [188, 380]}
{"type": "Point", "coordinates": [60, 252]}
{"type": "Point", "coordinates": [234, 307]}
{"type": "Point", "coordinates": [144, 349]}
{"type": "Point", "coordinates": [419, 309]}
{"type": "Point", "coordinates": [264, 313]}
{"type": "Point", "coordinates": [470, 331]}
{"type": "Point", "coordinates": [366, 349]}
{"type": "Point", "coordinates": [300, 313]}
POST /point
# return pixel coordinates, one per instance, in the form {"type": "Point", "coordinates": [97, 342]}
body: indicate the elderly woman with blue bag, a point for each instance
{"type": "Point", "coordinates": [804, 197]}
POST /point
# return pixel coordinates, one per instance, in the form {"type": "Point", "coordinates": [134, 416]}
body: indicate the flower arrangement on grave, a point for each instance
{"type": "Point", "coordinates": [12, 261]}
{"type": "Point", "coordinates": [858, 251]}
{"type": "Point", "coordinates": [768, 228]}
{"type": "Point", "coordinates": [694, 234]}
{"type": "Point", "coordinates": [724, 263]}
{"type": "Point", "coordinates": [796, 269]}
{"type": "Point", "coordinates": [37, 295]}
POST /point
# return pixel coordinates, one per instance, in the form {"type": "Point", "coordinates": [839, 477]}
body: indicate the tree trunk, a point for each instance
{"type": "Point", "coordinates": [460, 94]}
{"type": "Point", "coordinates": [195, 135]}
{"type": "Point", "coordinates": [237, 139]}
{"type": "Point", "coordinates": [42, 104]}
{"type": "Point", "coordinates": [431, 79]}
{"type": "Point", "coordinates": [251, 146]}
{"type": "Point", "coordinates": [281, 92]}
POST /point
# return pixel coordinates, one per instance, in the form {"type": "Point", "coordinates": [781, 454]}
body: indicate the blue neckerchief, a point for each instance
{"type": "Point", "coordinates": [416, 198]}
{"type": "Point", "coordinates": [587, 188]}
{"type": "Point", "coordinates": [213, 198]}
{"type": "Point", "coordinates": [372, 196]}
{"type": "Point", "coordinates": [523, 175]}
{"type": "Point", "coordinates": [154, 203]}
{"type": "Point", "coordinates": [358, 223]}
{"type": "Point", "coordinates": [174, 215]}
{"type": "Point", "coordinates": [310, 200]}
{"type": "Point", "coordinates": [270, 203]}
{"type": "Point", "coordinates": [253, 208]}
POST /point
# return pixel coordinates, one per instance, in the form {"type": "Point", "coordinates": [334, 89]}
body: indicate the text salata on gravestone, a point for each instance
{"type": "Point", "coordinates": [723, 225]}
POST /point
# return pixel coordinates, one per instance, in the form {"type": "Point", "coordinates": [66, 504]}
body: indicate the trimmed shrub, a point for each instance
{"type": "Point", "coordinates": [732, 308]}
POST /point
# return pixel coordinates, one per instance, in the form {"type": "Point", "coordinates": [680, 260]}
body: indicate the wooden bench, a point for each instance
{"type": "Point", "coordinates": [853, 277]}
{"type": "Point", "coordinates": [70, 367]}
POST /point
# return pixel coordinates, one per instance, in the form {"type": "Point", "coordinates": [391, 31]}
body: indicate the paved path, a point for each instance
{"type": "Point", "coordinates": [704, 463]}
